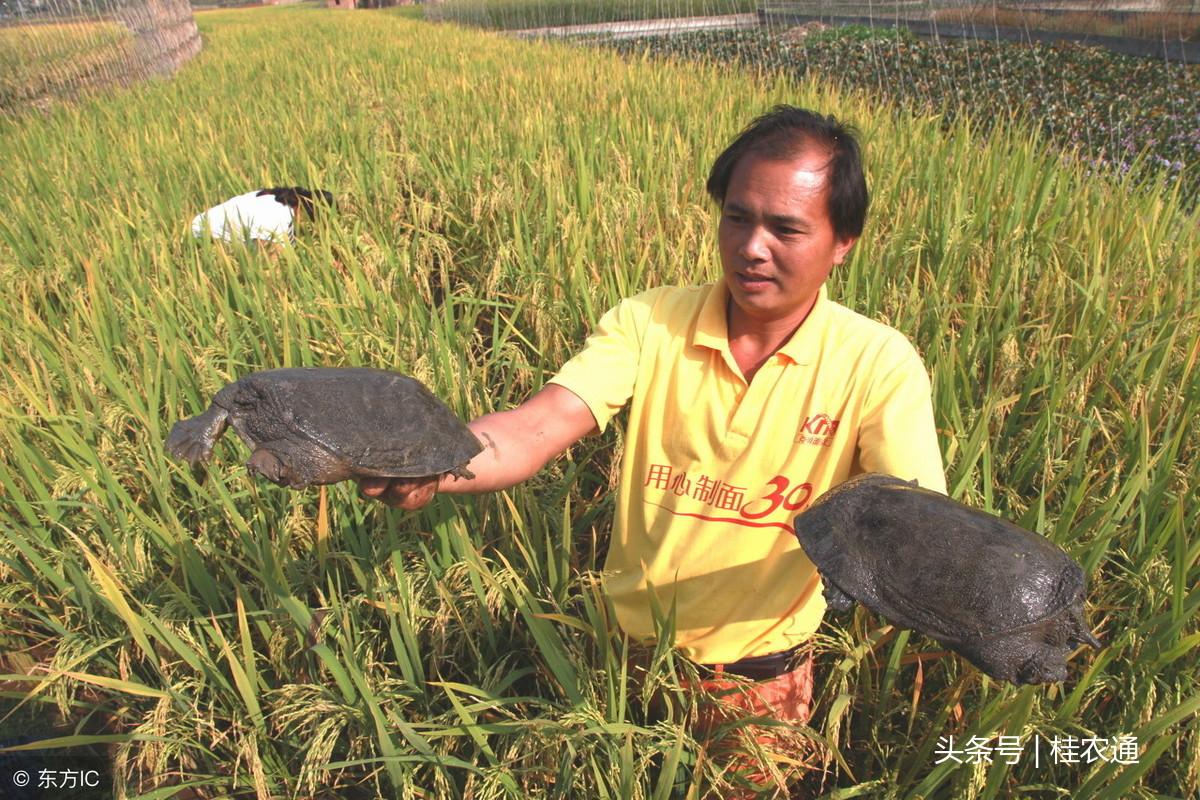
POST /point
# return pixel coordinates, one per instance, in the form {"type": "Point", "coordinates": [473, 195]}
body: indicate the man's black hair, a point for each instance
{"type": "Point", "coordinates": [787, 131]}
{"type": "Point", "coordinates": [298, 197]}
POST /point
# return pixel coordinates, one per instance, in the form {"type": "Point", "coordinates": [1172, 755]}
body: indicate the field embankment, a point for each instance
{"type": "Point", "coordinates": [46, 60]}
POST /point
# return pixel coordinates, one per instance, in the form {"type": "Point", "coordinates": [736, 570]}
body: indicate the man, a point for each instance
{"type": "Point", "coordinates": [748, 398]}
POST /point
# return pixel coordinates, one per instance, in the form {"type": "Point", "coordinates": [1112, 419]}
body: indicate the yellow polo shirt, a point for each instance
{"type": "Point", "coordinates": [715, 469]}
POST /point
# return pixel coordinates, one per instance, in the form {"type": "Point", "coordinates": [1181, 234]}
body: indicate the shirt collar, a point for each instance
{"type": "Point", "coordinates": [712, 328]}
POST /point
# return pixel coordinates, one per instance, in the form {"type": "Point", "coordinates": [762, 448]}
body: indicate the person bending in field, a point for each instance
{"type": "Point", "coordinates": [748, 399]}
{"type": "Point", "coordinates": [266, 216]}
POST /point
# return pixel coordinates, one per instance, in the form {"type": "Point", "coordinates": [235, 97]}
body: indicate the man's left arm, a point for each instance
{"type": "Point", "coordinates": [898, 436]}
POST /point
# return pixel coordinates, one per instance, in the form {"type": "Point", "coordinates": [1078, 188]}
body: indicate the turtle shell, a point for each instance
{"type": "Point", "coordinates": [313, 426]}
{"type": "Point", "coordinates": [1007, 599]}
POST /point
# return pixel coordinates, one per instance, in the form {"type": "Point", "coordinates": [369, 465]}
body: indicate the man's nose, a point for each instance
{"type": "Point", "coordinates": [754, 246]}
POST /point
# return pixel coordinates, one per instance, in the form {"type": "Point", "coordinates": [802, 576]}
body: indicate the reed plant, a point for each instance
{"type": "Point", "coordinates": [495, 197]}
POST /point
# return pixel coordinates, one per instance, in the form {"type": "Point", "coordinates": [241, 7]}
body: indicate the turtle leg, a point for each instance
{"type": "Point", "coordinates": [294, 464]}
{"type": "Point", "coordinates": [835, 598]}
{"type": "Point", "coordinates": [462, 473]}
{"type": "Point", "coordinates": [266, 462]}
{"type": "Point", "coordinates": [192, 439]}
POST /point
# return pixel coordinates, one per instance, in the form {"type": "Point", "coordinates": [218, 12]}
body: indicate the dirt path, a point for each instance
{"type": "Point", "coordinates": [644, 27]}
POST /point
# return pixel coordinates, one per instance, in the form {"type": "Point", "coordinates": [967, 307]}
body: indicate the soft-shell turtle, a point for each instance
{"type": "Point", "coordinates": [314, 426]}
{"type": "Point", "coordinates": [1004, 598]}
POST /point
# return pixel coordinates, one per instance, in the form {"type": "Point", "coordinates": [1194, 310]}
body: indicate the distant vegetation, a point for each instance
{"type": "Point", "coordinates": [1117, 112]}
{"type": "Point", "coordinates": [1140, 25]}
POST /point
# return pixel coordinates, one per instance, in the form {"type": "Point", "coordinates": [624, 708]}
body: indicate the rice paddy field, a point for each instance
{"type": "Point", "coordinates": [234, 639]}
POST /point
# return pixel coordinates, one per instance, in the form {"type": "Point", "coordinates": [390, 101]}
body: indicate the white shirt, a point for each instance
{"type": "Point", "coordinates": [247, 215]}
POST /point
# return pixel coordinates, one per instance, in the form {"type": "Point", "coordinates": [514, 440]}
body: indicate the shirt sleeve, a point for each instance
{"type": "Point", "coordinates": [898, 436]}
{"type": "Point", "coordinates": [603, 373]}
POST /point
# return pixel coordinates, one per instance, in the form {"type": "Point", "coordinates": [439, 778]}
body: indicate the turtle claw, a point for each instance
{"type": "Point", "coordinates": [462, 473]}
{"type": "Point", "coordinates": [199, 472]}
{"type": "Point", "coordinates": [835, 599]}
{"type": "Point", "coordinates": [193, 439]}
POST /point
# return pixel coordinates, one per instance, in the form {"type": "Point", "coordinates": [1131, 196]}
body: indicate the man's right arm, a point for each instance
{"type": "Point", "coordinates": [516, 445]}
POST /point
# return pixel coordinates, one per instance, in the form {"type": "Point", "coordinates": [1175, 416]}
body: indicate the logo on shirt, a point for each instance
{"type": "Point", "coordinates": [718, 496]}
{"type": "Point", "coordinates": [817, 429]}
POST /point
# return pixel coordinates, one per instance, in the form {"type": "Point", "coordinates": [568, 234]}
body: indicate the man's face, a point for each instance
{"type": "Point", "coordinates": [776, 239]}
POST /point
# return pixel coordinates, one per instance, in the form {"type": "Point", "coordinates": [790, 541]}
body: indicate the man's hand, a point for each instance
{"type": "Point", "coordinates": [516, 444]}
{"type": "Point", "coordinates": [407, 493]}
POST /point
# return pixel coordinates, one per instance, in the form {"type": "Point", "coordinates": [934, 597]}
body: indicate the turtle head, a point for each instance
{"type": "Point", "coordinates": [1051, 645]}
{"type": "Point", "coordinates": [1081, 635]}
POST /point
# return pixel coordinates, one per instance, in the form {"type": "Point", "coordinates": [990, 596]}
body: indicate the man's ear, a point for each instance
{"type": "Point", "coordinates": [842, 248]}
